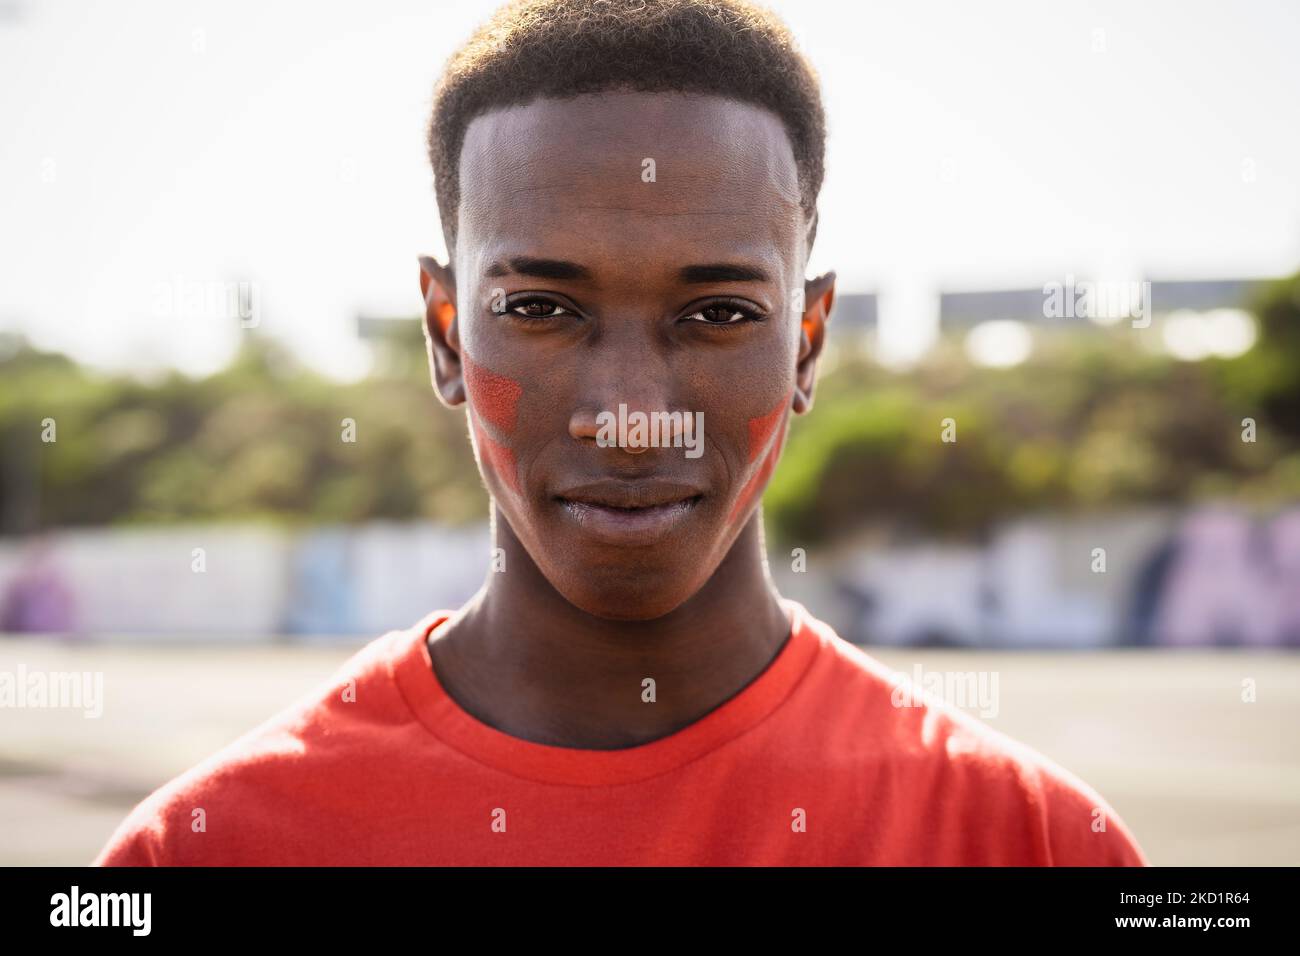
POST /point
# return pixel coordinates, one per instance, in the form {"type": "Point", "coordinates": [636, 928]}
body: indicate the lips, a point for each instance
{"type": "Point", "coordinates": [629, 512]}
{"type": "Point", "coordinates": [622, 493]}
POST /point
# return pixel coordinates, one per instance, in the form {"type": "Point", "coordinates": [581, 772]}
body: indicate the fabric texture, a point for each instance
{"type": "Point", "coordinates": [812, 763]}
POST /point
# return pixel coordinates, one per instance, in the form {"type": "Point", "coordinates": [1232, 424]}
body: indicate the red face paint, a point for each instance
{"type": "Point", "coordinates": [495, 455]}
{"type": "Point", "coordinates": [761, 430]}
{"type": "Point", "coordinates": [493, 399]}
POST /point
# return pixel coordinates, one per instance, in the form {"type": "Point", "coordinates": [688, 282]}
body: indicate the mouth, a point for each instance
{"type": "Point", "coordinates": [629, 513]}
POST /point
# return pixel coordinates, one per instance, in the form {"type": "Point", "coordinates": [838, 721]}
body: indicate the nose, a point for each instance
{"type": "Point", "coordinates": [587, 424]}
{"type": "Point", "coordinates": [634, 429]}
{"type": "Point", "coordinates": [619, 396]}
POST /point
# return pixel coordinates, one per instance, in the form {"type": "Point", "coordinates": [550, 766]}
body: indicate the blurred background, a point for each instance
{"type": "Point", "coordinates": [1066, 236]}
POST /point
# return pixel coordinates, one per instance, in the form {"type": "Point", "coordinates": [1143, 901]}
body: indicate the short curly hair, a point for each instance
{"type": "Point", "coordinates": [531, 49]}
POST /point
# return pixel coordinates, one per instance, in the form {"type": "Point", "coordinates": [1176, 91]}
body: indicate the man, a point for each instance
{"type": "Point", "coordinates": [628, 196]}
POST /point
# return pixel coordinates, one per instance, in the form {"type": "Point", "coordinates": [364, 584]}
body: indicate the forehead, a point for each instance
{"type": "Point", "coordinates": [653, 176]}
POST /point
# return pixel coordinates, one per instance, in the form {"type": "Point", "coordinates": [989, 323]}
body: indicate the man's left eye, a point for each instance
{"type": "Point", "coordinates": [719, 315]}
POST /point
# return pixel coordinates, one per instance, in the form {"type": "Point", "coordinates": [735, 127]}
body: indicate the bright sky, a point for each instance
{"type": "Point", "coordinates": [152, 153]}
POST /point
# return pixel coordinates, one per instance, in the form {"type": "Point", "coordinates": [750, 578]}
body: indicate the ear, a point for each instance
{"type": "Point", "coordinates": [819, 296]}
{"type": "Point", "coordinates": [441, 331]}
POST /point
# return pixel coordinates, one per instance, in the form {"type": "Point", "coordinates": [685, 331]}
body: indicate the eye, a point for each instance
{"type": "Point", "coordinates": [724, 314]}
{"type": "Point", "coordinates": [538, 309]}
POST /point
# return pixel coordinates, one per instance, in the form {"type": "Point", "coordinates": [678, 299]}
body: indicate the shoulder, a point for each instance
{"type": "Point", "coordinates": [234, 794]}
{"type": "Point", "coordinates": [907, 729]}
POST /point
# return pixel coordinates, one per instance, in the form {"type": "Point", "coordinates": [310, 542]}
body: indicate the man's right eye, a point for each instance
{"type": "Point", "coordinates": [538, 309]}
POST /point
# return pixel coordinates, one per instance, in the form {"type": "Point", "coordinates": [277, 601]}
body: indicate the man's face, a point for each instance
{"type": "Point", "coordinates": [634, 249]}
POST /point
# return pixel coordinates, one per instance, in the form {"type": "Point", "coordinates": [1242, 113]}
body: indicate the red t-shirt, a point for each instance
{"type": "Point", "coordinates": [810, 764]}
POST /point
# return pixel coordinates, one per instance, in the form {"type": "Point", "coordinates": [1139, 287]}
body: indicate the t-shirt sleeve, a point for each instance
{"type": "Point", "coordinates": [1080, 827]}
{"type": "Point", "coordinates": [136, 842]}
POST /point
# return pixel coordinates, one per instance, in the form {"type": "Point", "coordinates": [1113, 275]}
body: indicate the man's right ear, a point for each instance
{"type": "Point", "coordinates": [441, 330]}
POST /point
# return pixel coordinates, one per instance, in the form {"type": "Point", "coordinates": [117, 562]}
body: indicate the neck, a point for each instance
{"type": "Point", "coordinates": [524, 660]}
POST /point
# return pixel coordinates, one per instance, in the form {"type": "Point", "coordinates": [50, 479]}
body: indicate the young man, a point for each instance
{"type": "Point", "coordinates": [628, 194]}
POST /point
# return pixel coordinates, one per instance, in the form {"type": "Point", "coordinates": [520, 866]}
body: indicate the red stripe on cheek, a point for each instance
{"type": "Point", "coordinates": [760, 434]}
{"type": "Point", "coordinates": [761, 428]}
{"type": "Point", "coordinates": [493, 399]}
{"type": "Point", "coordinates": [495, 455]}
{"type": "Point", "coordinates": [494, 396]}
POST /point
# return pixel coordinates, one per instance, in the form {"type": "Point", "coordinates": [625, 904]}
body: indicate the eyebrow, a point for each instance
{"type": "Point", "coordinates": [721, 272]}
{"type": "Point", "coordinates": [539, 268]}
{"type": "Point", "coordinates": [562, 269]}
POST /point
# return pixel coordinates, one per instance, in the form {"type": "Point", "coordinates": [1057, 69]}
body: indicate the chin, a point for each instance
{"type": "Point", "coordinates": [627, 592]}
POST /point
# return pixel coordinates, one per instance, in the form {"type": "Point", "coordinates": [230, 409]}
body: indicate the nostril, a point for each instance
{"type": "Point", "coordinates": [584, 426]}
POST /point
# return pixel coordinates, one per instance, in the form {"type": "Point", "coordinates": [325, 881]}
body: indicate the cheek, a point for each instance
{"type": "Point", "coordinates": [495, 456]}
{"type": "Point", "coordinates": [494, 397]}
{"type": "Point", "coordinates": [766, 435]}
{"type": "Point", "coordinates": [494, 400]}
{"type": "Point", "coordinates": [762, 428]}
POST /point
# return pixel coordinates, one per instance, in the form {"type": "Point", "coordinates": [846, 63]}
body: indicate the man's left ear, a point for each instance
{"type": "Point", "coordinates": [818, 296]}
